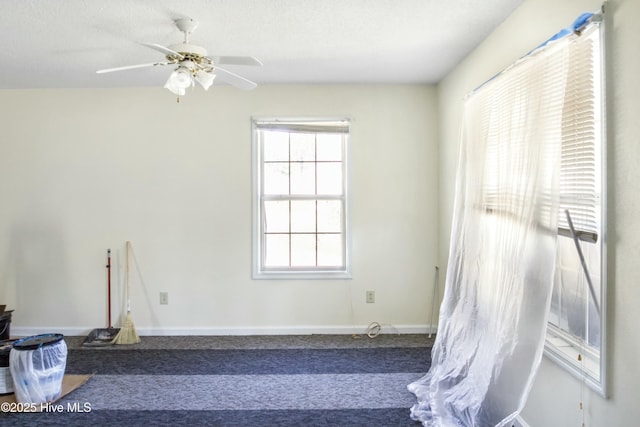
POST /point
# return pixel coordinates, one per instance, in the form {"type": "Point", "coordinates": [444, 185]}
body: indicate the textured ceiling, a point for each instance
{"type": "Point", "coordinates": [61, 43]}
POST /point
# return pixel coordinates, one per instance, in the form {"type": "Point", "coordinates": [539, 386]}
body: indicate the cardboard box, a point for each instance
{"type": "Point", "coordinates": [69, 384]}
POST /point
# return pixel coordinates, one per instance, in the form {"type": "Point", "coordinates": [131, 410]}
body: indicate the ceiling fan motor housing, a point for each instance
{"type": "Point", "coordinates": [188, 49]}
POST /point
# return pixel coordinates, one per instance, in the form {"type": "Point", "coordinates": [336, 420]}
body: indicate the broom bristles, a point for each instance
{"type": "Point", "coordinates": [127, 334]}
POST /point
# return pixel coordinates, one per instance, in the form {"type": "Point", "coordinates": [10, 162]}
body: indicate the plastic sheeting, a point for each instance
{"type": "Point", "coordinates": [37, 374]}
{"type": "Point", "coordinates": [502, 250]}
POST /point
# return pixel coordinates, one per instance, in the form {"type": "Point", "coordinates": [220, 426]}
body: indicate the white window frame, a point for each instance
{"type": "Point", "coordinates": [574, 354]}
{"type": "Point", "coordinates": [259, 270]}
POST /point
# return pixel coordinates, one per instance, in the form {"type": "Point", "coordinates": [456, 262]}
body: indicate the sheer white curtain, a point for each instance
{"type": "Point", "coordinates": [503, 247]}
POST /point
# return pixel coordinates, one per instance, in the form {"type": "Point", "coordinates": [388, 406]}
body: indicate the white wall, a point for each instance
{"type": "Point", "coordinates": [85, 170]}
{"type": "Point", "coordinates": [554, 400]}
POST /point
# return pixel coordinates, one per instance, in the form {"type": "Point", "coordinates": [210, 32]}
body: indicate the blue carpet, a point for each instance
{"type": "Point", "coordinates": [322, 418]}
{"type": "Point", "coordinates": [264, 387]}
{"type": "Point", "coordinates": [244, 362]}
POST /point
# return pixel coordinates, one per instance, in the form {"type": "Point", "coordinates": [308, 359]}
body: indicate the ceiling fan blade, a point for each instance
{"type": "Point", "coordinates": [164, 50]}
{"type": "Point", "coordinates": [236, 60]}
{"type": "Point", "coordinates": [131, 67]}
{"type": "Point", "coordinates": [234, 79]}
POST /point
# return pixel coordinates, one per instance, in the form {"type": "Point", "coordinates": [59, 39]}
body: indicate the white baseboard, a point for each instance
{"type": "Point", "coordinates": [24, 331]}
{"type": "Point", "coordinates": [520, 422]}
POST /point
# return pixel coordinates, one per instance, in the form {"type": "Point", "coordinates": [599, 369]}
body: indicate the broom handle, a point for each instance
{"type": "Point", "coordinates": [127, 276]}
{"type": "Point", "coordinates": [433, 302]}
{"type": "Point", "coordinates": [109, 325]}
{"type": "Point", "coordinates": [582, 261]}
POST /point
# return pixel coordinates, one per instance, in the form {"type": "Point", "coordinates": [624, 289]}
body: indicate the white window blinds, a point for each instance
{"type": "Point", "coordinates": [580, 177]}
{"type": "Point", "coordinates": [580, 112]}
{"type": "Point", "coordinates": [324, 126]}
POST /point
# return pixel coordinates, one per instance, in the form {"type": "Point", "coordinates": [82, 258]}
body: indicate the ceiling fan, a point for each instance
{"type": "Point", "coordinates": [193, 65]}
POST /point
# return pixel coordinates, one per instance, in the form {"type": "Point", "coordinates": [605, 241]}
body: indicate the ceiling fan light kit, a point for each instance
{"type": "Point", "coordinates": [205, 79]}
{"type": "Point", "coordinates": [179, 81]}
{"type": "Point", "coordinates": [193, 65]}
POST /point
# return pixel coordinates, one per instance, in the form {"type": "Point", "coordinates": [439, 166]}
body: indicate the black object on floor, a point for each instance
{"type": "Point", "coordinates": [101, 337]}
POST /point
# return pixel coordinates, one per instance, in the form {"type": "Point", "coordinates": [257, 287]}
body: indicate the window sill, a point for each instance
{"type": "Point", "coordinates": [565, 352]}
{"type": "Point", "coordinates": [301, 275]}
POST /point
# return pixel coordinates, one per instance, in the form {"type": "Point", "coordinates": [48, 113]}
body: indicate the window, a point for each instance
{"type": "Point", "coordinates": [300, 198]}
{"type": "Point", "coordinates": [576, 330]}
{"type": "Point", "coordinates": [575, 336]}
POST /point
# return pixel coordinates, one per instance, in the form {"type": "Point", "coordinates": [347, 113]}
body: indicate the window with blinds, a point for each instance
{"type": "Point", "coordinates": [300, 204]}
{"type": "Point", "coordinates": [577, 323]}
{"type": "Point", "coordinates": [576, 327]}
{"type": "Point", "coordinates": [580, 173]}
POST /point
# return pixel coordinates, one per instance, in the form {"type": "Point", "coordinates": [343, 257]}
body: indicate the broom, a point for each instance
{"type": "Point", "coordinates": [127, 334]}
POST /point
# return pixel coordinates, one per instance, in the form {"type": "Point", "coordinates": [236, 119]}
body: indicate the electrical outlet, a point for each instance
{"type": "Point", "coordinates": [164, 298]}
{"type": "Point", "coordinates": [371, 297]}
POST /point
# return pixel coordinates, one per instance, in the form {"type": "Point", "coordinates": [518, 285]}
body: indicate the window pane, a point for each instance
{"type": "Point", "coordinates": [303, 216]}
{"type": "Point", "coordinates": [330, 178]}
{"type": "Point", "coordinates": [330, 250]}
{"type": "Point", "coordinates": [594, 326]}
{"type": "Point", "coordinates": [276, 146]}
{"type": "Point", "coordinates": [303, 147]}
{"type": "Point", "coordinates": [572, 308]}
{"type": "Point", "coordinates": [277, 250]}
{"type": "Point", "coordinates": [572, 316]}
{"type": "Point", "coordinates": [276, 178]}
{"type": "Point", "coordinates": [276, 216]}
{"type": "Point", "coordinates": [329, 147]}
{"type": "Point", "coordinates": [303, 250]}
{"type": "Point", "coordinates": [303, 178]}
{"type": "Point", "coordinates": [330, 216]}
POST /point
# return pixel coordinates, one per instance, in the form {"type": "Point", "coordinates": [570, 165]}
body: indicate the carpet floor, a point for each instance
{"type": "Point", "coordinates": [242, 381]}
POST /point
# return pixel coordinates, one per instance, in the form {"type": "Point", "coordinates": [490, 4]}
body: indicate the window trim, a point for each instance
{"type": "Point", "coordinates": [295, 273]}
